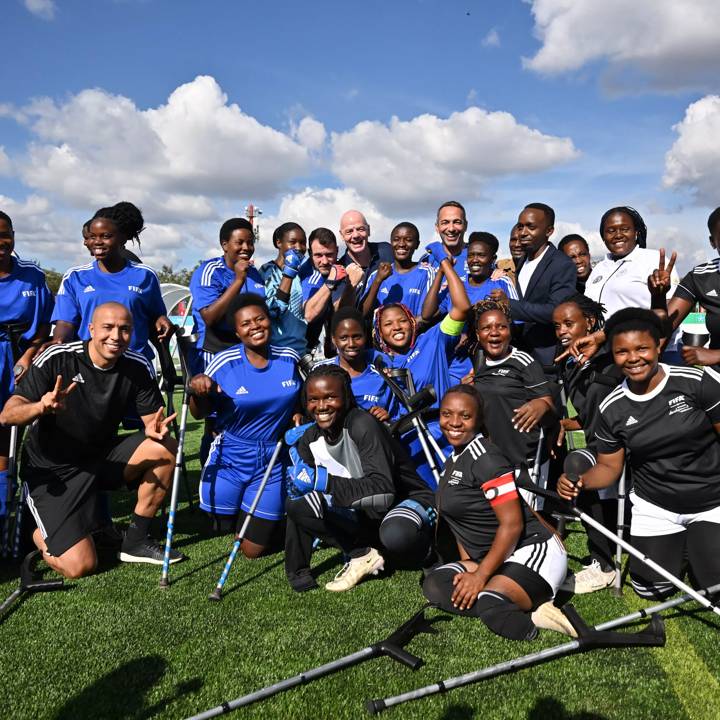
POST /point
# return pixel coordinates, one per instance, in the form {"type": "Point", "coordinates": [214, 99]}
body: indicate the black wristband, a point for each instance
{"type": "Point", "coordinates": [282, 296]}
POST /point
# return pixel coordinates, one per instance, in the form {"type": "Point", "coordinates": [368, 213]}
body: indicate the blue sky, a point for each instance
{"type": "Point", "coordinates": [194, 109]}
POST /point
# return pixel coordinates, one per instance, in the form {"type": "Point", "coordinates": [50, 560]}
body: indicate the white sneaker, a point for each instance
{"type": "Point", "coordinates": [355, 570]}
{"type": "Point", "coordinates": [590, 579]}
{"type": "Point", "coordinates": [549, 617]}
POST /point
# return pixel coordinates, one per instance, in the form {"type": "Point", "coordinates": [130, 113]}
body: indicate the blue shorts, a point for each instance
{"type": "Point", "coordinates": [7, 378]}
{"type": "Point", "coordinates": [232, 475]}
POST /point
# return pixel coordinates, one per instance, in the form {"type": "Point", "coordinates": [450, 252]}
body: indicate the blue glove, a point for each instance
{"type": "Point", "coordinates": [294, 434]}
{"type": "Point", "coordinates": [427, 514]}
{"type": "Point", "coordinates": [304, 477]}
{"type": "Point", "coordinates": [292, 260]}
{"type": "Point", "coordinates": [437, 252]}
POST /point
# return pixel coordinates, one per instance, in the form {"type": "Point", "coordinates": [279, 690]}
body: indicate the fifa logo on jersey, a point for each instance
{"type": "Point", "coordinates": [678, 405]}
{"type": "Point", "coordinates": [288, 383]}
{"type": "Point", "coordinates": [414, 291]}
{"type": "Point", "coordinates": [412, 356]}
{"type": "Point", "coordinates": [28, 293]}
{"type": "Point", "coordinates": [371, 398]}
{"type": "Point", "coordinates": [502, 371]}
{"type": "Point", "coordinates": [135, 288]}
{"type": "Point", "coordinates": [455, 477]}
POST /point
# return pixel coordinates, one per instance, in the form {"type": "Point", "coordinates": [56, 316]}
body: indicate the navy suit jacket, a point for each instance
{"type": "Point", "coordinates": [552, 282]}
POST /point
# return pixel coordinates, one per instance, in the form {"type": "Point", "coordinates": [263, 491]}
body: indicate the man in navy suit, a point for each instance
{"type": "Point", "coordinates": [544, 277]}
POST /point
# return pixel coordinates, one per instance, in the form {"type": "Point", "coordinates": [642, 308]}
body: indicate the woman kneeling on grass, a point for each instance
{"type": "Point", "coordinates": [511, 563]}
{"type": "Point", "coordinates": [254, 387]}
{"type": "Point", "coordinates": [354, 486]}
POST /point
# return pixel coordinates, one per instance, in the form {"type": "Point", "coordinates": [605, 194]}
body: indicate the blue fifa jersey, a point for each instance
{"type": "Point", "coordinates": [370, 388]}
{"type": "Point", "coordinates": [476, 293]}
{"type": "Point", "coordinates": [208, 282]}
{"type": "Point", "coordinates": [409, 288]}
{"type": "Point", "coordinates": [255, 403]}
{"type": "Point", "coordinates": [428, 360]}
{"type": "Point", "coordinates": [461, 267]}
{"type": "Point", "coordinates": [289, 327]}
{"type": "Point", "coordinates": [25, 298]}
{"type": "Point", "coordinates": [311, 284]}
{"type": "Point", "coordinates": [136, 287]}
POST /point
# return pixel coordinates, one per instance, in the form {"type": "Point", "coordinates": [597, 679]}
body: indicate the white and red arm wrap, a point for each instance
{"type": "Point", "coordinates": [500, 489]}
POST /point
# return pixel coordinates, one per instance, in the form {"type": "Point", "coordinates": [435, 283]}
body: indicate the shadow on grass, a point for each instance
{"type": "Point", "coordinates": [552, 709]}
{"type": "Point", "coordinates": [120, 695]}
{"type": "Point", "coordinates": [248, 580]}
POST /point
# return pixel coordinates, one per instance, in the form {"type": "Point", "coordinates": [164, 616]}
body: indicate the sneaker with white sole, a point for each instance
{"type": "Point", "coordinates": [147, 551]}
{"type": "Point", "coordinates": [371, 563]}
{"type": "Point", "coordinates": [590, 579]}
{"type": "Point", "coordinates": [550, 617]}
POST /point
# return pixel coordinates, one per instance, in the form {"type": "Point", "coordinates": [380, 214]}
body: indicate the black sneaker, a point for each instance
{"type": "Point", "coordinates": [147, 551]}
{"type": "Point", "coordinates": [108, 538]}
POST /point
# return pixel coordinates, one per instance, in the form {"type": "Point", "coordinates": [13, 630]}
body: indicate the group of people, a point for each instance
{"type": "Point", "coordinates": [543, 370]}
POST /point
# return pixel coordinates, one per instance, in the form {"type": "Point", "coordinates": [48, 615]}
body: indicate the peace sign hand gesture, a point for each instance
{"type": "Point", "coordinates": [659, 281]}
{"type": "Point", "coordinates": [54, 401]}
{"type": "Point", "coordinates": [157, 426]}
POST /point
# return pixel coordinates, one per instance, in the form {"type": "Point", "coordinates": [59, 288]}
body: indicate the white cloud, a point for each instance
{"type": "Point", "coordinates": [96, 148]}
{"type": "Point", "coordinates": [44, 9]}
{"type": "Point", "coordinates": [410, 165]}
{"type": "Point", "coordinates": [5, 164]}
{"type": "Point", "coordinates": [665, 43]}
{"type": "Point", "coordinates": [693, 161]}
{"type": "Point", "coordinates": [310, 133]}
{"type": "Point", "coordinates": [492, 39]}
{"type": "Point", "coordinates": [321, 207]}
{"type": "Point", "coordinates": [597, 246]}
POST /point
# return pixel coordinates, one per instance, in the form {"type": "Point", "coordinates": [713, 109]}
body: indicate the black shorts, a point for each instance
{"type": "Point", "coordinates": [63, 498]}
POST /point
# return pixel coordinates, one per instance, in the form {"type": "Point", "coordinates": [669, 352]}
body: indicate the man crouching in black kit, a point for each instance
{"type": "Point", "coordinates": [75, 395]}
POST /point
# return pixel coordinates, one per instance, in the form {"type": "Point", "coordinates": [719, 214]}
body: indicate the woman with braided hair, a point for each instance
{"type": "Point", "coordinates": [587, 383]}
{"type": "Point", "coordinates": [513, 386]}
{"type": "Point", "coordinates": [427, 356]}
{"type": "Point", "coordinates": [112, 278]}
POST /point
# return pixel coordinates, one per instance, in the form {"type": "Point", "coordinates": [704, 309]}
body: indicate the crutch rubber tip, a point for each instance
{"type": "Point", "coordinates": [164, 583]}
{"type": "Point", "coordinates": [616, 592]}
{"type": "Point", "coordinates": [375, 706]}
{"type": "Point", "coordinates": [215, 595]}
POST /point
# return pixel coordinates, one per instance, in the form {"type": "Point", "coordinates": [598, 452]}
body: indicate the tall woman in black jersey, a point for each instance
{"type": "Point", "coordinates": [514, 388]}
{"type": "Point", "coordinates": [510, 563]}
{"type": "Point", "coordinates": [586, 386]}
{"type": "Point", "coordinates": [666, 420]}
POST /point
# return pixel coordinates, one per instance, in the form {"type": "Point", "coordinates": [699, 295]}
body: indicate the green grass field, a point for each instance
{"type": "Point", "coordinates": [115, 645]}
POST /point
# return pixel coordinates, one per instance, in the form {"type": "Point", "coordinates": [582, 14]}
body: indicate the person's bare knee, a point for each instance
{"type": "Point", "coordinates": [251, 550]}
{"type": "Point", "coordinates": [75, 562]}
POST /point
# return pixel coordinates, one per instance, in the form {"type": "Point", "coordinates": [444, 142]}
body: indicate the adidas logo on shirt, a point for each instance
{"type": "Point", "coordinates": [89, 288]}
{"type": "Point", "coordinates": [631, 421]}
{"type": "Point", "coordinates": [712, 293]}
{"type": "Point", "coordinates": [242, 390]}
{"type": "Point", "coordinates": [78, 379]}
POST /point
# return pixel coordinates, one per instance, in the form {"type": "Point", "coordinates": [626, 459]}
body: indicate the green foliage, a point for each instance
{"type": "Point", "coordinates": [181, 276]}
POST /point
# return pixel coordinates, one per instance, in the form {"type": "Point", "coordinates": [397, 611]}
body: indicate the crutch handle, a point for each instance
{"type": "Point", "coordinates": [400, 655]}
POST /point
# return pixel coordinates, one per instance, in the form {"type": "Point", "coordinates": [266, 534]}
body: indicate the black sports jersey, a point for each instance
{"type": "Point", "coordinates": [673, 449]}
{"type": "Point", "coordinates": [366, 462]}
{"type": "Point", "coordinates": [586, 387]}
{"type": "Point", "coordinates": [702, 284]}
{"type": "Point", "coordinates": [84, 430]}
{"type": "Point", "coordinates": [472, 484]}
{"type": "Point", "coordinates": [505, 385]}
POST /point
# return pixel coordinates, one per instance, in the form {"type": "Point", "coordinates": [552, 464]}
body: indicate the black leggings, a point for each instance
{"type": "Point", "coordinates": [698, 545]}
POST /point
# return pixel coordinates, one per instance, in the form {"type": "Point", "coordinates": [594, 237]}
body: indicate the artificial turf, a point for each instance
{"type": "Point", "coordinates": [115, 645]}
